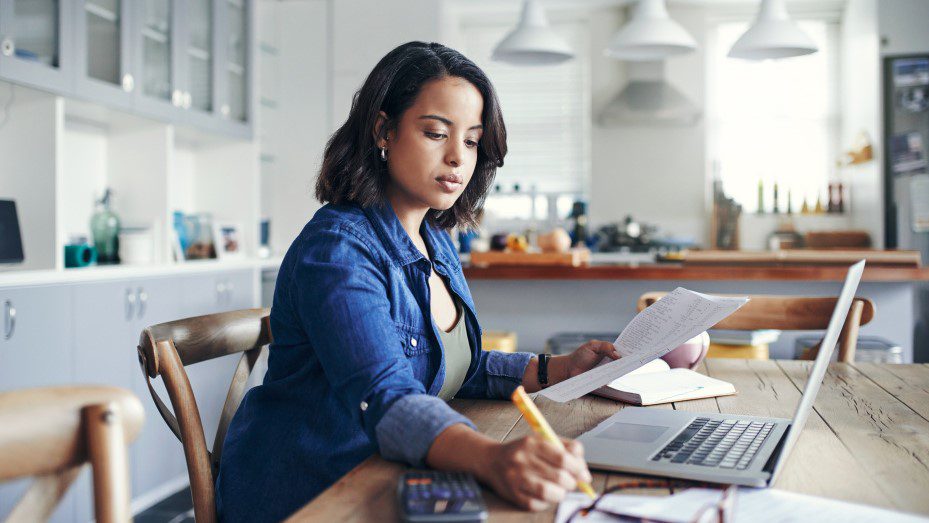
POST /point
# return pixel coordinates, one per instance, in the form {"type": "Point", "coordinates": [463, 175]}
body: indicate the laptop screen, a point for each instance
{"type": "Point", "coordinates": [818, 372]}
{"type": "Point", "coordinates": [11, 243]}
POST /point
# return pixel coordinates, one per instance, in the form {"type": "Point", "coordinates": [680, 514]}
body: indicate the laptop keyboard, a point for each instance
{"type": "Point", "coordinates": [727, 444]}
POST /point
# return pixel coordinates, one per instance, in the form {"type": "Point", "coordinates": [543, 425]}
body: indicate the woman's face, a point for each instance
{"type": "Point", "coordinates": [432, 152]}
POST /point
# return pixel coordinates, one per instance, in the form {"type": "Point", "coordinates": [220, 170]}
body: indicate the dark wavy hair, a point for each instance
{"type": "Point", "coordinates": [352, 171]}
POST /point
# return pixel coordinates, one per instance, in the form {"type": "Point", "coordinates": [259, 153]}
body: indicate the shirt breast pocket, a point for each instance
{"type": "Point", "coordinates": [415, 342]}
{"type": "Point", "coordinates": [420, 351]}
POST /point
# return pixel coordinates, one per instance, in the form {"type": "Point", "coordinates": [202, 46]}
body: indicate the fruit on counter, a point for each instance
{"type": "Point", "coordinates": [517, 243]}
{"type": "Point", "coordinates": [557, 240]}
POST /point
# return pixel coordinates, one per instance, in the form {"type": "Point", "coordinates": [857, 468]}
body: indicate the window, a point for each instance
{"type": "Point", "coordinates": [774, 121]}
{"type": "Point", "coordinates": [547, 115]}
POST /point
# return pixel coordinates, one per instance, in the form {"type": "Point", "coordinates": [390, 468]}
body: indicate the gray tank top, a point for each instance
{"type": "Point", "coordinates": [457, 354]}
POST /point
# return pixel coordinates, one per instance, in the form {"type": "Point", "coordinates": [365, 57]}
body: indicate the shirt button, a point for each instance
{"type": "Point", "coordinates": [364, 405]}
{"type": "Point", "coordinates": [413, 341]}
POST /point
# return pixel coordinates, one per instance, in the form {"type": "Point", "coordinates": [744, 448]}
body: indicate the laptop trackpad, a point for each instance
{"type": "Point", "coordinates": [633, 432]}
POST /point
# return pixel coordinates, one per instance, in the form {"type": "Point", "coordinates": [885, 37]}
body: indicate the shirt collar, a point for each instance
{"type": "Point", "coordinates": [398, 242]}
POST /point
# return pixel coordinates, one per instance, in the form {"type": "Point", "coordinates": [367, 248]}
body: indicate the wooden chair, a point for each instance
{"type": "Point", "coordinates": [792, 313]}
{"type": "Point", "coordinates": [49, 433]}
{"type": "Point", "coordinates": [165, 349]}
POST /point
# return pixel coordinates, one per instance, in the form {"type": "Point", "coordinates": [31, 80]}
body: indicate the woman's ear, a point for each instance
{"type": "Point", "coordinates": [380, 131]}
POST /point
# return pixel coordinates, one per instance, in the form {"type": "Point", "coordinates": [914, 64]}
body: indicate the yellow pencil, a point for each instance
{"type": "Point", "coordinates": [541, 427]}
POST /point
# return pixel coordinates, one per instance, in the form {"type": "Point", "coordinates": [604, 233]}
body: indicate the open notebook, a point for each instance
{"type": "Point", "coordinates": [656, 382]}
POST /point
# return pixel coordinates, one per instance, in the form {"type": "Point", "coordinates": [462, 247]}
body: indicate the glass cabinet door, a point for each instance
{"type": "Point", "coordinates": [236, 66]}
{"type": "Point", "coordinates": [32, 33]}
{"type": "Point", "coordinates": [103, 72]}
{"type": "Point", "coordinates": [200, 56]}
{"type": "Point", "coordinates": [155, 41]}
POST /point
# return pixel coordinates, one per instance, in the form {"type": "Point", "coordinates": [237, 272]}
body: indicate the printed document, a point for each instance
{"type": "Point", "coordinates": [677, 317]}
{"type": "Point", "coordinates": [770, 505]}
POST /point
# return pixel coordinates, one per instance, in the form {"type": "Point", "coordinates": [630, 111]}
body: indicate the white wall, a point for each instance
{"type": "Point", "coordinates": [302, 124]}
{"type": "Point", "coordinates": [860, 79]}
{"type": "Point", "coordinates": [364, 31]}
{"type": "Point", "coordinates": [28, 141]}
{"type": "Point", "coordinates": [657, 174]}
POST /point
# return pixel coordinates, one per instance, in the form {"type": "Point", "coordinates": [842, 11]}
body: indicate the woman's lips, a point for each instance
{"type": "Point", "coordinates": [449, 184]}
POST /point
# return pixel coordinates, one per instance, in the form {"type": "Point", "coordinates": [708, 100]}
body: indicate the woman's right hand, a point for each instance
{"type": "Point", "coordinates": [534, 473]}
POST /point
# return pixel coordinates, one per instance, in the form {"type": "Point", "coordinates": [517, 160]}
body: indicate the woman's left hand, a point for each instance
{"type": "Point", "coordinates": [587, 356]}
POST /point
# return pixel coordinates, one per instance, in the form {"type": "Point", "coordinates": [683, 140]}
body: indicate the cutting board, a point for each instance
{"type": "Point", "coordinates": [572, 258]}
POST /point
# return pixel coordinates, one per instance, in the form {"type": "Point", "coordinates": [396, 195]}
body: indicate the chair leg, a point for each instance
{"type": "Point", "coordinates": [106, 448]}
{"type": "Point", "coordinates": [39, 502]}
{"type": "Point", "coordinates": [848, 339]}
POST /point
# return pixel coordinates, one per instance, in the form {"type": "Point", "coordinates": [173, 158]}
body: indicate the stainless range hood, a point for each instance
{"type": "Point", "coordinates": [648, 99]}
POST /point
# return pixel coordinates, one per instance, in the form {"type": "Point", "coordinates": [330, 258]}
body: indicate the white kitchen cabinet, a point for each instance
{"type": "Point", "coordinates": [35, 332]}
{"type": "Point", "coordinates": [109, 318]}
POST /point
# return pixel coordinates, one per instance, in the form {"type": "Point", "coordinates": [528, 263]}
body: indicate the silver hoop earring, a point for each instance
{"type": "Point", "coordinates": [383, 154]}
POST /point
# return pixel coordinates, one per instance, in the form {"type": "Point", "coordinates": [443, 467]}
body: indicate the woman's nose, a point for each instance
{"type": "Point", "coordinates": [453, 154]}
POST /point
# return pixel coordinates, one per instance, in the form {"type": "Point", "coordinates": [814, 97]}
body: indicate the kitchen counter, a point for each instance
{"type": "Point", "coordinates": [539, 302]}
{"type": "Point", "coordinates": [677, 271]}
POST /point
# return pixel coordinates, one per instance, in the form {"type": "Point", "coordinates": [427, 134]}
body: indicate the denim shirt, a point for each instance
{"type": "Point", "coordinates": [355, 365]}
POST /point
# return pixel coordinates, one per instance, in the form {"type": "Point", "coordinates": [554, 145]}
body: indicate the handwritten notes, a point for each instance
{"type": "Point", "coordinates": [677, 317]}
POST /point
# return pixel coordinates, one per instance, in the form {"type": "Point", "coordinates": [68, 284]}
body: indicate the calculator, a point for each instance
{"type": "Point", "coordinates": [428, 496]}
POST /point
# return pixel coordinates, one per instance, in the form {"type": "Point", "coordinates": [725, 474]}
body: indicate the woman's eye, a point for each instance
{"type": "Point", "coordinates": [435, 136]}
{"type": "Point", "coordinates": [471, 143]}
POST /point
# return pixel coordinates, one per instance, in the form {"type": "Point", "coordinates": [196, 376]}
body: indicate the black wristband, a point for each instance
{"type": "Point", "coordinates": [543, 370]}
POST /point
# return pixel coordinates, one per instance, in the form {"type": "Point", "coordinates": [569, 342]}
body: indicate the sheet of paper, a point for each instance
{"type": "Point", "coordinates": [654, 332]}
{"type": "Point", "coordinates": [776, 505]}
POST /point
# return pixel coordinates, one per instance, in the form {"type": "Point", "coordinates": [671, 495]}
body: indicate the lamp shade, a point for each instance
{"type": "Point", "coordinates": [650, 35]}
{"type": "Point", "coordinates": [533, 42]}
{"type": "Point", "coordinates": [773, 35]}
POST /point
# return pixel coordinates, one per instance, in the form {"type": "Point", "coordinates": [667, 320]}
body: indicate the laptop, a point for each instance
{"type": "Point", "coordinates": [713, 447]}
{"type": "Point", "coordinates": [11, 243]}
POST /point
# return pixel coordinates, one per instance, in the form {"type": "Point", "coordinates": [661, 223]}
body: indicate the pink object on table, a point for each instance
{"type": "Point", "coordinates": [689, 354]}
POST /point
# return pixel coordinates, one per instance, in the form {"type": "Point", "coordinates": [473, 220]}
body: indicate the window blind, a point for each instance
{"type": "Point", "coordinates": [546, 110]}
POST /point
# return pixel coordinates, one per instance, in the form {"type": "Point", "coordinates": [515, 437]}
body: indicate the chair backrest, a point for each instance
{"type": "Point", "coordinates": [792, 313]}
{"type": "Point", "coordinates": [49, 433]}
{"type": "Point", "coordinates": [165, 349]}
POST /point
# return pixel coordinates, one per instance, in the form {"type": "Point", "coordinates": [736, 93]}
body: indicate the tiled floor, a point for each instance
{"type": "Point", "coordinates": [176, 508]}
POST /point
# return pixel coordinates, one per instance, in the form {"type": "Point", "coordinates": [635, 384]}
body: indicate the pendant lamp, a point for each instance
{"type": "Point", "coordinates": [533, 42]}
{"type": "Point", "coordinates": [773, 35]}
{"type": "Point", "coordinates": [650, 35]}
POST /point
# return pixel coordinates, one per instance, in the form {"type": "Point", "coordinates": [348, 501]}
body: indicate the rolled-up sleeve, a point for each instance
{"type": "Point", "coordinates": [496, 376]}
{"type": "Point", "coordinates": [343, 305]}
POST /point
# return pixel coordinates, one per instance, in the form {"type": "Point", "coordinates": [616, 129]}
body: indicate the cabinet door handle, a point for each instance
{"type": "Point", "coordinates": [128, 83]}
{"type": "Point", "coordinates": [143, 300]}
{"type": "Point", "coordinates": [220, 293]}
{"type": "Point", "coordinates": [9, 320]}
{"type": "Point", "coordinates": [130, 304]}
{"type": "Point", "coordinates": [7, 47]}
{"type": "Point", "coordinates": [177, 98]}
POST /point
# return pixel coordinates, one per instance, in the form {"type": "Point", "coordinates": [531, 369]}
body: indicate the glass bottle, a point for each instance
{"type": "Point", "coordinates": [760, 196]}
{"type": "Point", "coordinates": [104, 226]}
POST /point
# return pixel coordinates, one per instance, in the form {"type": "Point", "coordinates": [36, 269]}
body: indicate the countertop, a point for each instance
{"type": "Point", "coordinates": [677, 271]}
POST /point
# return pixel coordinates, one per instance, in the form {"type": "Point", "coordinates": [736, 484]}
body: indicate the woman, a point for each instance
{"type": "Point", "coordinates": [374, 326]}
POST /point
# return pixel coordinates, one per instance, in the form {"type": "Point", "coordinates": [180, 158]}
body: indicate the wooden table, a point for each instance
{"type": "Point", "coordinates": [867, 442]}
